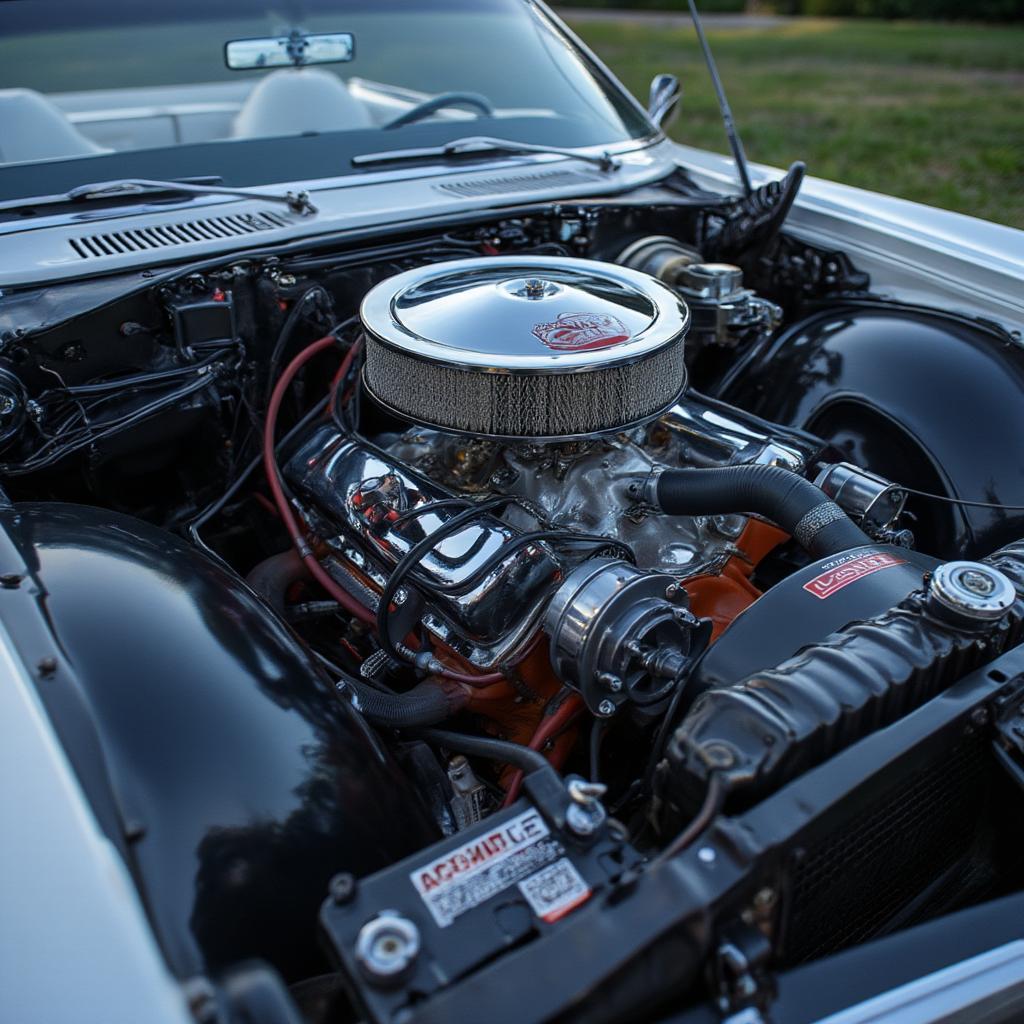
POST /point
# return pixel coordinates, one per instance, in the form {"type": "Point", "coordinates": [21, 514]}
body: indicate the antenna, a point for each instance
{"type": "Point", "coordinates": [723, 104]}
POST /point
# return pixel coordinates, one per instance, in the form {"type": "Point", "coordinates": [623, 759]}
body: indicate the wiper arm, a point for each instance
{"type": "Point", "coordinates": [298, 202]}
{"type": "Point", "coordinates": [482, 145]}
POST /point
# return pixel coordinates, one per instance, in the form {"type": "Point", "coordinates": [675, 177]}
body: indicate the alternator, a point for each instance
{"type": "Point", "coordinates": [619, 634]}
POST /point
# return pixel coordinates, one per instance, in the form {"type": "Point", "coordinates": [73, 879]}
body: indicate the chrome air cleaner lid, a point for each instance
{"type": "Point", "coordinates": [525, 347]}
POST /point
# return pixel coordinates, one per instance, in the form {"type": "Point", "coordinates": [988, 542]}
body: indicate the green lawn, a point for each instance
{"type": "Point", "coordinates": [930, 112]}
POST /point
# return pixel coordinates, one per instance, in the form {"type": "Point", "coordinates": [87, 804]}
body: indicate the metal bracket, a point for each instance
{"type": "Point", "coordinates": [740, 969]}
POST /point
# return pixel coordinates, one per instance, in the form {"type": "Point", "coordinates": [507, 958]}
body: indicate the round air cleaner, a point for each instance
{"type": "Point", "coordinates": [524, 347]}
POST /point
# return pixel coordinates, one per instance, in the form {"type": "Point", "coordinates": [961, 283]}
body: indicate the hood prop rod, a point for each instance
{"type": "Point", "coordinates": [723, 104]}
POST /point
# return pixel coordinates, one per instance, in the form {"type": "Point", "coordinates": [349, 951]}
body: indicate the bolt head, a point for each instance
{"type": "Point", "coordinates": [978, 583]}
{"type": "Point", "coordinates": [342, 888]}
{"type": "Point", "coordinates": [718, 755]}
{"type": "Point", "coordinates": [584, 792]}
{"type": "Point", "coordinates": [612, 682]}
{"type": "Point", "coordinates": [584, 819]}
{"type": "Point", "coordinates": [606, 708]}
{"type": "Point", "coordinates": [706, 855]}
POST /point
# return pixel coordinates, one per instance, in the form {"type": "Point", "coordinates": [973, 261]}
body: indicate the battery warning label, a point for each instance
{"type": "Point", "coordinates": [555, 890]}
{"type": "Point", "coordinates": [513, 852]}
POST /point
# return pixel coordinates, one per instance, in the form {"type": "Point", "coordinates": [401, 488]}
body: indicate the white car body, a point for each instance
{"type": "Point", "coordinates": [77, 943]}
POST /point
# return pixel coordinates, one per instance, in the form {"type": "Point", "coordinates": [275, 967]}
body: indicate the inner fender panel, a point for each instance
{"type": "Point", "coordinates": [243, 782]}
{"type": "Point", "coordinates": [916, 396]}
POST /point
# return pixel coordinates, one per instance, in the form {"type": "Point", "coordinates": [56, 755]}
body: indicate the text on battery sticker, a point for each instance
{"type": "Point", "coordinates": [555, 890]}
{"type": "Point", "coordinates": [481, 868]}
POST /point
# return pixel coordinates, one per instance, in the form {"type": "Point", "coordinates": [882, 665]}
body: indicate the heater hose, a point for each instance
{"type": "Point", "coordinates": [796, 505]}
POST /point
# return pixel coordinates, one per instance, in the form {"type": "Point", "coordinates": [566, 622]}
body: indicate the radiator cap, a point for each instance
{"type": "Point", "coordinates": [970, 591]}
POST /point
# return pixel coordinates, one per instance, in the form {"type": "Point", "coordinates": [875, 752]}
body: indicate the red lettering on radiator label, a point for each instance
{"type": "Point", "coordinates": [834, 579]}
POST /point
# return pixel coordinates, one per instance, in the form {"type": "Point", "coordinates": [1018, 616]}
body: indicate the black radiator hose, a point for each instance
{"type": "Point", "coordinates": [796, 505]}
{"type": "Point", "coordinates": [427, 703]}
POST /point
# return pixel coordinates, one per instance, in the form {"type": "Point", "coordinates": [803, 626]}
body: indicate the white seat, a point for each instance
{"type": "Point", "coordinates": [296, 100]}
{"type": "Point", "coordinates": [32, 128]}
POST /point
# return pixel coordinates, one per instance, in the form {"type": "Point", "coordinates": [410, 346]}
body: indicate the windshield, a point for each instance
{"type": "Point", "coordinates": [99, 89]}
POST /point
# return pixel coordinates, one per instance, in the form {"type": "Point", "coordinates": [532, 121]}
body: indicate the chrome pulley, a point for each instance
{"type": "Point", "coordinates": [620, 635]}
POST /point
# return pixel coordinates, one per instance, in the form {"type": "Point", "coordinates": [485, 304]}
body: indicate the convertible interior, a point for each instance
{"type": "Point", "coordinates": [287, 101]}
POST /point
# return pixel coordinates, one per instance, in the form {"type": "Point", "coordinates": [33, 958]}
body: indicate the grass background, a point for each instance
{"type": "Point", "coordinates": [927, 111]}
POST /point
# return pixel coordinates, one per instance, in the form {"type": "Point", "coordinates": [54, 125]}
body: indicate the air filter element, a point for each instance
{"type": "Point", "coordinates": [524, 347]}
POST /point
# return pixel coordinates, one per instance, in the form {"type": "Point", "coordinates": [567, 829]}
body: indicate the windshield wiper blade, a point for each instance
{"type": "Point", "coordinates": [298, 202]}
{"type": "Point", "coordinates": [483, 145]}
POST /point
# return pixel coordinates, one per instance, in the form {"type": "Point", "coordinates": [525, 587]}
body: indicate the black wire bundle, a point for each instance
{"type": "Point", "coordinates": [301, 308]}
{"type": "Point", "coordinates": [69, 419]}
{"type": "Point", "coordinates": [194, 525]}
{"type": "Point", "coordinates": [471, 511]}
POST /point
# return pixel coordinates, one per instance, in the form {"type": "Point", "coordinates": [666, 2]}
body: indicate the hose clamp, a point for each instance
{"type": "Point", "coordinates": [814, 521]}
{"type": "Point", "coordinates": [645, 489]}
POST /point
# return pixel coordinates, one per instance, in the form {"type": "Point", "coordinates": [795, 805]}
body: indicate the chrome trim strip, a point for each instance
{"type": "Point", "coordinates": [959, 993]}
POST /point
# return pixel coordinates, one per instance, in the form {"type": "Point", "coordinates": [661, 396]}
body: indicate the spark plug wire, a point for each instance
{"type": "Point", "coordinates": [549, 729]}
{"type": "Point", "coordinates": [295, 532]}
{"type": "Point", "coordinates": [291, 524]}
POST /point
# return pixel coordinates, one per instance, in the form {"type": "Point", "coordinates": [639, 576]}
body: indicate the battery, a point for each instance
{"type": "Point", "coordinates": [412, 929]}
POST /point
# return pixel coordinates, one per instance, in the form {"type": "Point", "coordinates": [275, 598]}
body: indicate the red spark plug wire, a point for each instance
{"type": "Point", "coordinates": [550, 727]}
{"type": "Point", "coordinates": [298, 539]}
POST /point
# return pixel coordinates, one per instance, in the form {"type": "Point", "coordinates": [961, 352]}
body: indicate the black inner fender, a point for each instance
{"type": "Point", "coordinates": [949, 386]}
{"type": "Point", "coordinates": [243, 783]}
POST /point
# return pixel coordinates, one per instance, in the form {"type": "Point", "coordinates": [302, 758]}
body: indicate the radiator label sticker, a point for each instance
{"type": "Point", "coordinates": [582, 332]}
{"type": "Point", "coordinates": [493, 862]}
{"type": "Point", "coordinates": [842, 574]}
{"type": "Point", "coordinates": [555, 890]}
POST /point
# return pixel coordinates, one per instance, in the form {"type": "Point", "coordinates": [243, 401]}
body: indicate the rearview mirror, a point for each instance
{"type": "Point", "coordinates": [295, 50]}
{"type": "Point", "coordinates": [663, 104]}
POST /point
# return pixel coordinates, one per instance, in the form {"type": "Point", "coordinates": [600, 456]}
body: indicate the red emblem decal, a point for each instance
{"type": "Point", "coordinates": [579, 332]}
{"type": "Point", "coordinates": [843, 575]}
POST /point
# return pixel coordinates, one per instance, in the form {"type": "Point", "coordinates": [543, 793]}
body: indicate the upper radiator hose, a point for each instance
{"type": "Point", "coordinates": [786, 498]}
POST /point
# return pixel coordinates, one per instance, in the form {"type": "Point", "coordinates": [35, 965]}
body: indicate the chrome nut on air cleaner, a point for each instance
{"type": "Point", "coordinates": [525, 347]}
{"type": "Point", "coordinates": [970, 593]}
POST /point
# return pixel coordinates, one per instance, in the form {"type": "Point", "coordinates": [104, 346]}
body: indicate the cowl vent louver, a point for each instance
{"type": "Point", "coordinates": [524, 347]}
{"type": "Point", "coordinates": [515, 183]}
{"type": "Point", "coordinates": [162, 236]}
